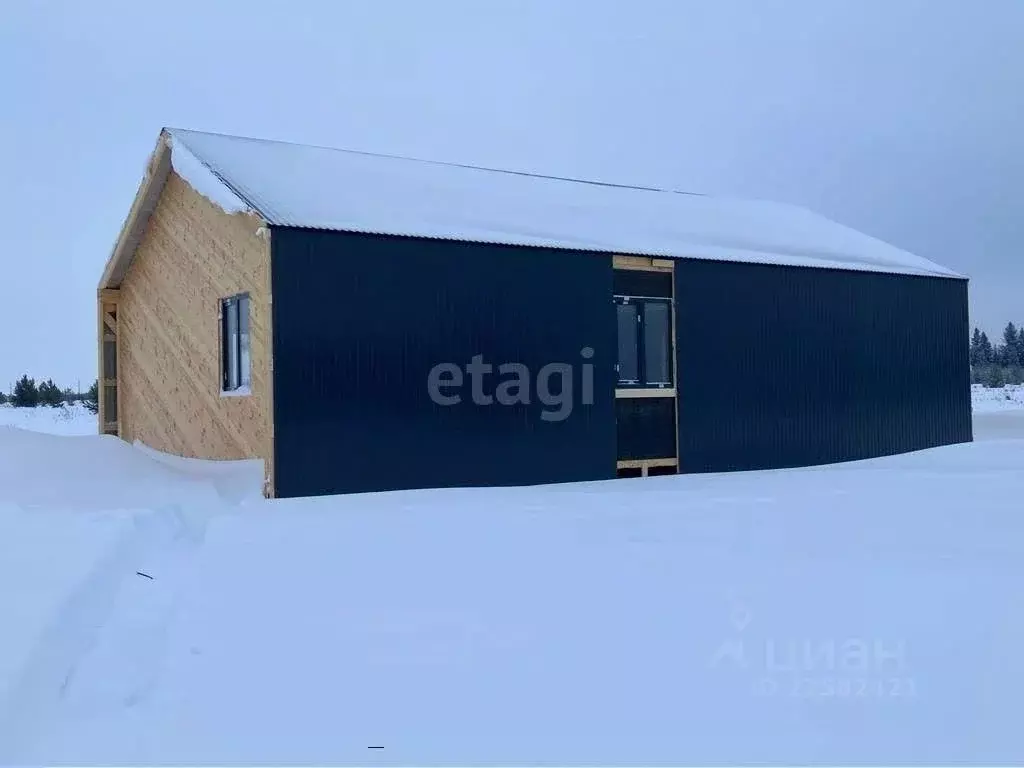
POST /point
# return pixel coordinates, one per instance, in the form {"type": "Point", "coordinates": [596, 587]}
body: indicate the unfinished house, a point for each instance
{"type": "Point", "coordinates": [364, 322]}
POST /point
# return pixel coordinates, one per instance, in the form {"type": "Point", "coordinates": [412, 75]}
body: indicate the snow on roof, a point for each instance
{"type": "Point", "coordinates": [322, 188]}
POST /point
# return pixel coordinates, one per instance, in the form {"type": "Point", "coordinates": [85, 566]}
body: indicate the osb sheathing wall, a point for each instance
{"type": "Point", "coordinates": [192, 255]}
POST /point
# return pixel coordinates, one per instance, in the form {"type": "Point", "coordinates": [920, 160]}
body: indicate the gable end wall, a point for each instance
{"type": "Point", "coordinates": [191, 256]}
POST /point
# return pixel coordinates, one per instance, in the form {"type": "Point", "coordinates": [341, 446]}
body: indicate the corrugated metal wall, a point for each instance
{"type": "Point", "coordinates": [782, 367]}
{"type": "Point", "coordinates": [359, 321]}
{"type": "Point", "coordinates": [646, 428]}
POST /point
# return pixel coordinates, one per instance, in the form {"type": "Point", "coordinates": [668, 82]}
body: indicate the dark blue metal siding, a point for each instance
{"type": "Point", "coordinates": [646, 428]}
{"type": "Point", "coordinates": [360, 320]}
{"type": "Point", "coordinates": [783, 366]}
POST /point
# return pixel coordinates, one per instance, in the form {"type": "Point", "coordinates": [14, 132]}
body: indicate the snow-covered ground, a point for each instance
{"type": "Point", "coordinates": [998, 413]}
{"type": "Point", "coordinates": [65, 420]}
{"type": "Point", "coordinates": [160, 611]}
{"type": "Point", "coordinates": [988, 400]}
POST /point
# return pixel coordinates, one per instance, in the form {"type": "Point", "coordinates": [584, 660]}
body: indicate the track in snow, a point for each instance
{"type": "Point", "coordinates": [102, 649]}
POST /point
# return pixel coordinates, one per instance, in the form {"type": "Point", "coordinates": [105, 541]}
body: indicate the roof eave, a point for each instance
{"type": "Point", "coordinates": [146, 197]}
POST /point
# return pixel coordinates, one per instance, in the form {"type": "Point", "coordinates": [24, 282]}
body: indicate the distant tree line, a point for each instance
{"type": "Point", "coordinates": [27, 393]}
{"type": "Point", "coordinates": [999, 364]}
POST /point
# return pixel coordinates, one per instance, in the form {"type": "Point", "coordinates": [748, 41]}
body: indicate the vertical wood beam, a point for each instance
{"type": "Point", "coordinates": [107, 302]}
{"type": "Point", "coordinates": [269, 471]}
{"type": "Point", "coordinates": [673, 319]}
{"type": "Point", "coordinates": [100, 330]}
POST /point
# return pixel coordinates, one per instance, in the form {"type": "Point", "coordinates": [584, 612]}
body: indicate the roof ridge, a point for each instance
{"type": "Point", "coordinates": [447, 163]}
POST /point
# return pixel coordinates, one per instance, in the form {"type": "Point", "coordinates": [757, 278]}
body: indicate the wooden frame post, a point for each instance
{"type": "Point", "coordinates": [108, 348]}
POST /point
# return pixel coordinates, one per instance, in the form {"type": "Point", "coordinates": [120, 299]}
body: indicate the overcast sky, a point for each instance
{"type": "Point", "coordinates": [902, 118]}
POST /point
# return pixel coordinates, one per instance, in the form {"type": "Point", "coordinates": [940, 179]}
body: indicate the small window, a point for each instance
{"type": "Point", "coordinates": [657, 343]}
{"type": "Point", "coordinates": [235, 345]}
{"type": "Point", "coordinates": [645, 341]}
{"type": "Point", "coordinates": [629, 356]}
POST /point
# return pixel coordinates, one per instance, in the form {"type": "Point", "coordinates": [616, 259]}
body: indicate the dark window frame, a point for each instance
{"type": "Point", "coordinates": [642, 381]}
{"type": "Point", "coordinates": [235, 344]}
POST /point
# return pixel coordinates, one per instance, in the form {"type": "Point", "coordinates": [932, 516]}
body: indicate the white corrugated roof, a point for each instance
{"type": "Point", "coordinates": [323, 188]}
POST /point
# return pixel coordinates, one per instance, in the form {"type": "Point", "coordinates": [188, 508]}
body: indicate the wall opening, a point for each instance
{"type": "Point", "coordinates": [645, 395]}
{"type": "Point", "coordinates": [107, 369]}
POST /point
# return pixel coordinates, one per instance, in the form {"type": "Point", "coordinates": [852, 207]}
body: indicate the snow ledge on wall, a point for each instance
{"type": "Point", "coordinates": [203, 180]}
{"type": "Point", "coordinates": [238, 392]}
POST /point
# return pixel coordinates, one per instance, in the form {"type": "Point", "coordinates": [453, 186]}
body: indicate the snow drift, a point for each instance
{"type": "Point", "coordinates": [78, 515]}
{"type": "Point", "coordinates": [99, 472]}
{"type": "Point", "coordinates": [852, 614]}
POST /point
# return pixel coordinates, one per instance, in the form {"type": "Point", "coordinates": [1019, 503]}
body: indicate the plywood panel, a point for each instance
{"type": "Point", "coordinates": [191, 256]}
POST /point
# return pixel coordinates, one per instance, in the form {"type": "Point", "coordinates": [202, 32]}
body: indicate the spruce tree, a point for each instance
{"type": "Point", "coordinates": [91, 400]}
{"type": "Point", "coordinates": [50, 394]}
{"type": "Point", "coordinates": [976, 348]}
{"type": "Point", "coordinates": [1011, 345]}
{"type": "Point", "coordinates": [986, 351]}
{"type": "Point", "coordinates": [26, 394]}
